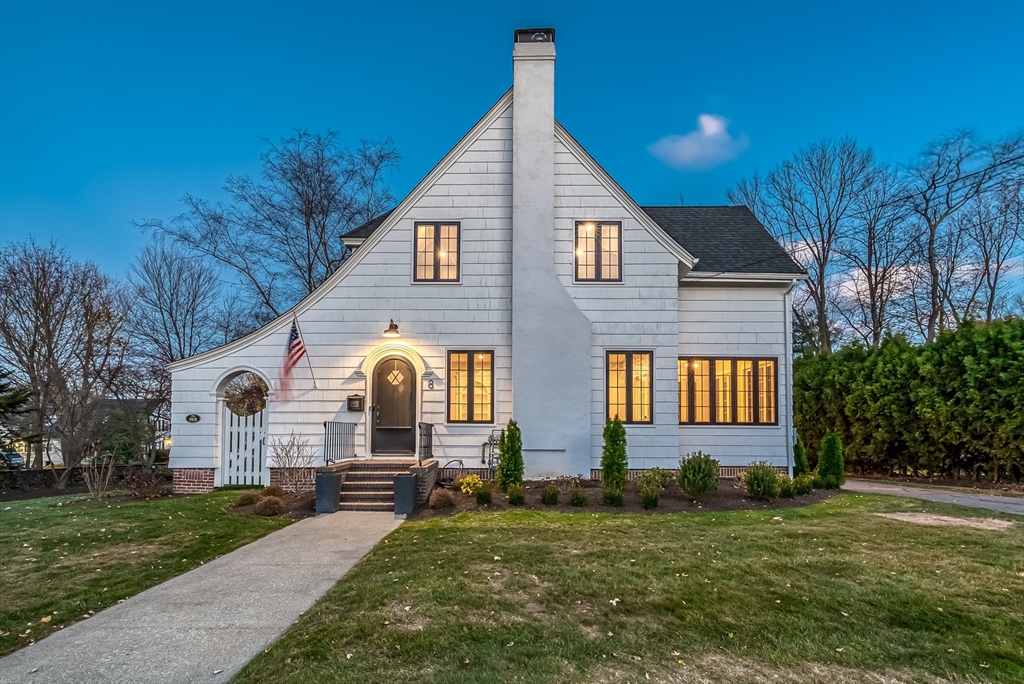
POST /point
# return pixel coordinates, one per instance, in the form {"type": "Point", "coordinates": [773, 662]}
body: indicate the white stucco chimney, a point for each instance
{"type": "Point", "coordinates": [551, 338]}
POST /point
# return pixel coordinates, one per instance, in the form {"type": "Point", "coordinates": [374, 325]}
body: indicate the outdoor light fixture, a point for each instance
{"type": "Point", "coordinates": [392, 330]}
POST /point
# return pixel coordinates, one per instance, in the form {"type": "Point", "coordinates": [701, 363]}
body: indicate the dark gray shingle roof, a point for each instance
{"type": "Point", "coordinates": [723, 239]}
{"type": "Point", "coordinates": [726, 239]}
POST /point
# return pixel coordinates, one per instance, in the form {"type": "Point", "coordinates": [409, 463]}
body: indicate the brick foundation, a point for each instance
{"type": "Point", "coordinates": [193, 480]}
{"type": "Point", "coordinates": [305, 477]}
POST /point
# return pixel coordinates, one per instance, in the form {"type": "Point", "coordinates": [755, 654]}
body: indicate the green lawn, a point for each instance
{"type": "Point", "coordinates": [827, 593]}
{"type": "Point", "coordinates": [62, 558]}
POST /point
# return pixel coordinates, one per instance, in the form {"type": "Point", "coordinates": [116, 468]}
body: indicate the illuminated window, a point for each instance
{"type": "Point", "coordinates": [728, 391]}
{"type": "Point", "coordinates": [630, 387]}
{"type": "Point", "coordinates": [437, 252]}
{"type": "Point", "coordinates": [471, 387]}
{"type": "Point", "coordinates": [598, 251]}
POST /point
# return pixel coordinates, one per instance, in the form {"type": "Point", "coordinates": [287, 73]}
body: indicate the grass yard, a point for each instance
{"type": "Point", "coordinates": [828, 593]}
{"type": "Point", "coordinates": [62, 558]}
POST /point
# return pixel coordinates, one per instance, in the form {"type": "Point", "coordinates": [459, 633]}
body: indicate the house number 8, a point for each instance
{"type": "Point", "coordinates": [430, 384]}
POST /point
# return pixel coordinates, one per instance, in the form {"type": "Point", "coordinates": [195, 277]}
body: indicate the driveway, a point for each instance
{"type": "Point", "coordinates": [1003, 504]}
{"type": "Point", "coordinates": [205, 625]}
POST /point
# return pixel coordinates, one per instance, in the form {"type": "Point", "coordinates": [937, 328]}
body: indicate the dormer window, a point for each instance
{"type": "Point", "coordinates": [437, 252]}
{"type": "Point", "coordinates": [598, 251]}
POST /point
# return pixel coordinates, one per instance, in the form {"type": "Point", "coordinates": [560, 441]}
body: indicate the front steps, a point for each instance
{"type": "Point", "coordinates": [369, 485]}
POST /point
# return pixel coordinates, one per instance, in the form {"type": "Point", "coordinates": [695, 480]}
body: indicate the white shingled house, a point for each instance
{"type": "Point", "coordinates": [517, 279]}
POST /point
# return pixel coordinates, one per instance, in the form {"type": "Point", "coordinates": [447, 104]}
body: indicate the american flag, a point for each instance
{"type": "Point", "coordinates": [292, 355]}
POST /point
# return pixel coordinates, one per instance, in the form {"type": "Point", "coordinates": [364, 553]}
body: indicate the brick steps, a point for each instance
{"type": "Point", "coordinates": [369, 485]}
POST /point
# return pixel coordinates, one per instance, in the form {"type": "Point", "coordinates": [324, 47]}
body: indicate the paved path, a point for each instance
{"type": "Point", "coordinates": [1003, 504]}
{"type": "Point", "coordinates": [205, 625]}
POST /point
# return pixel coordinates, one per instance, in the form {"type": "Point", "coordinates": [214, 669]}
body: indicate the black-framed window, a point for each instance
{"type": "Point", "coordinates": [437, 252]}
{"type": "Point", "coordinates": [629, 390]}
{"type": "Point", "coordinates": [728, 391]}
{"type": "Point", "coordinates": [599, 251]}
{"type": "Point", "coordinates": [470, 386]}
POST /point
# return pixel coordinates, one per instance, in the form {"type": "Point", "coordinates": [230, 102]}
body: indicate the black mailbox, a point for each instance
{"type": "Point", "coordinates": [356, 402]}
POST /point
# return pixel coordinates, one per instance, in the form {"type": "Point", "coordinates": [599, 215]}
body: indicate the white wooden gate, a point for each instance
{"type": "Point", "coordinates": [245, 448]}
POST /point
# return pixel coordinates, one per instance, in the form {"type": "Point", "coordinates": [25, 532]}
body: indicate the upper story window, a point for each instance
{"type": "Point", "coordinates": [437, 252]}
{"type": "Point", "coordinates": [728, 391]}
{"type": "Point", "coordinates": [629, 391]}
{"type": "Point", "coordinates": [598, 251]}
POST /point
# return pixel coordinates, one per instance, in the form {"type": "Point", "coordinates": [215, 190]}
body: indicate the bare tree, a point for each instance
{"type": "Point", "coordinates": [280, 236]}
{"type": "Point", "coordinates": [947, 175]}
{"type": "Point", "coordinates": [806, 202]}
{"type": "Point", "coordinates": [62, 337]}
{"type": "Point", "coordinates": [878, 249]}
{"type": "Point", "coordinates": [994, 226]}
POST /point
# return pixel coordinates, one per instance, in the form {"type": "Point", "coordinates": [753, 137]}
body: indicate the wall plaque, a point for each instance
{"type": "Point", "coordinates": [192, 418]}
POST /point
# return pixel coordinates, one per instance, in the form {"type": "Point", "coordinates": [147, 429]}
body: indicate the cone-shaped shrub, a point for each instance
{"type": "Point", "coordinates": [831, 468]}
{"type": "Point", "coordinates": [799, 459]}
{"type": "Point", "coordinates": [510, 457]}
{"type": "Point", "coordinates": [614, 462]}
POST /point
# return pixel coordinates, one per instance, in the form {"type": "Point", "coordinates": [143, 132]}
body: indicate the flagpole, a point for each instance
{"type": "Point", "coordinates": [295, 319]}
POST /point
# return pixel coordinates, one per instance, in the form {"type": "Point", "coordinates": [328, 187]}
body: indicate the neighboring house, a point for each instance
{"type": "Point", "coordinates": [524, 283]}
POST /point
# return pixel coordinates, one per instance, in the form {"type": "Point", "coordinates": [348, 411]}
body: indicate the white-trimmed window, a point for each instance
{"type": "Point", "coordinates": [728, 391]}
{"type": "Point", "coordinates": [598, 251]}
{"type": "Point", "coordinates": [437, 252]}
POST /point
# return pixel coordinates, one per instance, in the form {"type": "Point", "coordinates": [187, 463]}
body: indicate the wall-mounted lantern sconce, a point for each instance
{"type": "Point", "coordinates": [392, 330]}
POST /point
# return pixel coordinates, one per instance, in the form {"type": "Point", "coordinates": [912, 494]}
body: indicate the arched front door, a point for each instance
{"type": "Point", "coordinates": [394, 408]}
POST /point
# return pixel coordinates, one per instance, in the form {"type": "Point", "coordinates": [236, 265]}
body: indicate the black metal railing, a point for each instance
{"type": "Point", "coordinates": [339, 441]}
{"type": "Point", "coordinates": [426, 451]}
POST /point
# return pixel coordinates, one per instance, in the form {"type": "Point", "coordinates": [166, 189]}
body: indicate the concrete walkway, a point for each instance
{"type": "Point", "coordinates": [205, 625]}
{"type": "Point", "coordinates": [1003, 504]}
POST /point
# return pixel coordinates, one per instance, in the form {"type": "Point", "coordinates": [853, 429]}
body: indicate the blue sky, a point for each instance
{"type": "Point", "coordinates": [111, 112]}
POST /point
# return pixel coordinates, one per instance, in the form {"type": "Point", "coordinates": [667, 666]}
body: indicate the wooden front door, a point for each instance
{"type": "Point", "coordinates": [394, 408]}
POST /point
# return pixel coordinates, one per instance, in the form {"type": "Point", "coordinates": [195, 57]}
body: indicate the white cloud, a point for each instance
{"type": "Point", "coordinates": [702, 149]}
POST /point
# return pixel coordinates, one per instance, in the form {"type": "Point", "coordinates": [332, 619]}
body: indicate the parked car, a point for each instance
{"type": "Point", "coordinates": [11, 459]}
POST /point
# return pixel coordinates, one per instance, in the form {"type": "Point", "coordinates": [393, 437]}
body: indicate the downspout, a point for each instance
{"type": "Point", "coordinates": [787, 313]}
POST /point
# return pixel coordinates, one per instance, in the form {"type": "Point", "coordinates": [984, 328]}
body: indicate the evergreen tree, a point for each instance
{"type": "Point", "coordinates": [614, 461]}
{"type": "Point", "coordinates": [510, 457]}
{"type": "Point", "coordinates": [830, 464]}
{"type": "Point", "coordinates": [799, 459]}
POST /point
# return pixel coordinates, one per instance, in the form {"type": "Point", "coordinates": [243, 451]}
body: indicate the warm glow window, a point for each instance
{"type": "Point", "coordinates": [630, 394]}
{"type": "Point", "coordinates": [598, 251]}
{"type": "Point", "coordinates": [437, 252]}
{"type": "Point", "coordinates": [728, 391]}
{"type": "Point", "coordinates": [471, 387]}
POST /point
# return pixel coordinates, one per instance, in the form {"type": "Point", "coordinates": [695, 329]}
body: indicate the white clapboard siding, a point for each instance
{"type": "Point", "coordinates": [737, 321]}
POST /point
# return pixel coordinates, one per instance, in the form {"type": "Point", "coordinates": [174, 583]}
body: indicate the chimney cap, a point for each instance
{"type": "Point", "coordinates": [535, 35]}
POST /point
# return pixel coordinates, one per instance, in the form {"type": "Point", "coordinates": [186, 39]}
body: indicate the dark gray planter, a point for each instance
{"type": "Point", "coordinates": [405, 494]}
{"type": "Point", "coordinates": [328, 492]}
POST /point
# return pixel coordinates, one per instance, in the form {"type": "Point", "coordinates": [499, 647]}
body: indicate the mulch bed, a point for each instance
{"type": "Point", "coordinates": [40, 492]}
{"type": "Point", "coordinates": [731, 496]}
{"type": "Point", "coordinates": [965, 483]}
{"type": "Point", "coordinates": [297, 506]}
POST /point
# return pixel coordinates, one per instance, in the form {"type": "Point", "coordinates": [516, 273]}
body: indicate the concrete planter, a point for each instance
{"type": "Point", "coordinates": [328, 492]}
{"type": "Point", "coordinates": [405, 494]}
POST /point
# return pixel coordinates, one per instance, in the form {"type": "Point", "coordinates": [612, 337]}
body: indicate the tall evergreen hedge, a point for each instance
{"type": "Point", "coordinates": [614, 461]}
{"type": "Point", "coordinates": [510, 457]}
{"type": "Point", "coordinates": [950, 407]}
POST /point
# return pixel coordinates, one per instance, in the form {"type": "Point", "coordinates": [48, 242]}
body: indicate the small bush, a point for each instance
{"type": "Point", "coordinates": [785, 487]}
{"type": "Point", "coordinates": [516, 495]}
{"type": "Point", "coordinates": [578, 497]}
{"type": "Point", "coordinates": [441, 498]}
{"type": "Point", "coordinates": [831, 466]}
{"type": "Point", "coordinates": [611, 496]}
{"type": "Point", "coordinates": [698, 475]}
{"type": "Point", "coordinates": [470, 484]}
{"type": "Point", "coordinates": [248, 498]}
{"type": "Point", "coordinates": [549, 495]}
{"type": "Point", "coordinates": [145, 484]}
{"type": "Point", "coordinates": [614, 461]}
{"type": "Point", "coordinates": [762, 481]}
{"type": "Point", "coordinates": [269, 505]}
{"type": "Point", "coordinates": [803, 484]}
{"type": "Point", "coordinates": [650, 497]}
{"type": "Point", "coordinates": [510, 457]}
{"type": "Point", "coordinates": [273, 490]}
{"type": "Point", "coordinates": [816, 481]}
{"type": "Point", "coordinates": [799, 459]}
{"type": "Point", "coordinates": [483, 495]}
